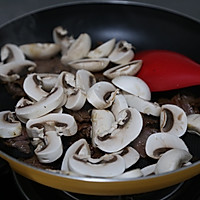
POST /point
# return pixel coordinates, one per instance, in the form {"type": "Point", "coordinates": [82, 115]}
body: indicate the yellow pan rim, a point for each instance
{"type": "Point", "coordinates": [101, 186]}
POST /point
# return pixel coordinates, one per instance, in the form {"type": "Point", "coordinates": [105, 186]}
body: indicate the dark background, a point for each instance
{"type": "Point", "coordinates": [10, 9]}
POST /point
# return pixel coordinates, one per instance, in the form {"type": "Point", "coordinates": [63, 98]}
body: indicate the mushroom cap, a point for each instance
{"type": "Point", "coordinates": [33, 87]}
{"type": "Point", "coordinates": [173, 120]}
{"type": "Point", "coordinates": [122, 53]}
{"type": "Point", "coordinates": [80, 147]}
{"type": "Point", "coordinates": [52, 150]}
{"type": "Point", "coordinates": [142, 105]}
{"type": "Point", "coordinates": [9, 126]}
{"type": "Point", "coordinates": [101, 94]}
{"type": "Point", "coordinates": [102, 121]}
{"type": "Point", "coordinates": [79, 49]}
{"type": "Point", "coordinates": [118, 105]}
{"type": "Point", "coordinates": [158, 143]}
{"type": "Point", "coordinates": [172, 160]}
{"type": "Point", "coordinates": [40, 50]}
{"type": "Point", "coordinates": [193, 123]}
{"type": "Point", "coordinates": [133, 85]}
{"type": "Point", "coordinates": [90, 64]}
{"type": "Point", "coordinates": [134, 173]}
{"type": "Point", "coordinates": [129, 69]}
{"type": "Point", "coordinates": [127, 128]}
{"type": "Point", "coordinates": [61, 123]}
{"type": "Point", "coordinates": [42, 107]}
{"type": "Point", "coordinates": [102, 50]}
{"type": "Point", "coordinates": [106, 166]}
{"type": "Point", "coordinates": [76, 101]}
{"type": "Point", "coordinates": [84, 80]}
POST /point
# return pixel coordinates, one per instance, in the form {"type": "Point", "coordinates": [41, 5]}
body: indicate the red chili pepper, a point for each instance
{"type": "Point", "coordinates": [166, 70]}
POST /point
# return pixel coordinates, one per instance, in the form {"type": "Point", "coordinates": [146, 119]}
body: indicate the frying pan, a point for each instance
{"type": "Point", "coordinates": [144, 26]}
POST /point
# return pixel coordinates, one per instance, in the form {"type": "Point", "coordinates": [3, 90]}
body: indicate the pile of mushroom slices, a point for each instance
{"type": "Point", "coordinates": [116, 115]}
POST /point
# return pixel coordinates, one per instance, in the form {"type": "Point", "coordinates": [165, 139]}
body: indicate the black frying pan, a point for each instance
{"type": "Point", "coordinates": [144, 26]}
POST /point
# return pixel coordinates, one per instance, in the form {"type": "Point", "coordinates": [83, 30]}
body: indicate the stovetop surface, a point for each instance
{"type": "Point", "coordinates": [21, 188]}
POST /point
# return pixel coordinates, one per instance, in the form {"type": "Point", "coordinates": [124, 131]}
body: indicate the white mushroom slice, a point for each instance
{"type": "Point", "coordinates": [67, 81]}
{"type": "Point", "coordinates": [48, 80]}
{"type": "Point", "coordinates": [62, 124]}
{"type": "Point", "coordinates": [84, 80]}
{"type": "Point", "coordinates": [102, 50]}
{"type": "Point", "coordinates": [133, 85]}
{"type": "Point", "coordinates": [79, 147]}
{"type": "Point", "coordinates": [10, 71]}
{"type": "Point", "coordinates": [193, 123]}
{"type": "Point", "coordinates": [159, 143]}
{"type": "Point", "coordinates": [122, 53]}
{"type": "Point", "coordinates": [130, 156]}
{"type": "Point", "coordinates": [42, 107]}
{"type": "Point", "coordinates": [148, 170]}
{"type": "Point", "coordinates": [11, 52]}
{"type": "Point", "coordinates": [172, 160]}
{"type": "Point", "coordinates": [9, 126]}
{"type": "Point", "coordinates": [51, 149]}
{"type": "Point", "coordinates": [33, 87]}
{"type": "Point", "coordinates": [102, 94]}
{"type": "Point", "coordinates": [61, 38]}
{"type": "Point", "coordinates": [122, 132]}
{"type": "Point", "coordinates": [106, 166]}
{"type": "Point", "coordinates": [130, 69]}
{"type": "Point", "coordinates": [118, 105]}
{"type": "Point", "coordinates": [134, 173]}
{"type": "Point", "coordinates": [90, 64]}
{"type": "Point", "coordinates": [40, 50]}
{"type": "Point", "coordinates": [142, 105]}
{"type": "Point", "coordinates": [102, 121]}
{"type": "Point", "coordinates": [79, 49]}
{"type": "Point", "coordinates": [76, 100]}
{"type": "Point", "coordinates": [173, 120]}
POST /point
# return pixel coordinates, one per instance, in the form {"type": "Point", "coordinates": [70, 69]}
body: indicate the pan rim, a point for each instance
{"type": "Point", "coordinates": [96, 2]}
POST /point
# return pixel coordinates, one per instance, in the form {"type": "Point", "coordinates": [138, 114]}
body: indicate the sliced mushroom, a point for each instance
{"type": "Point", "coordinates": [79, 49]}
{"type": "Point", "coordinates": [11, 71]}
{"type": "Point", "coordinates": [9, 126]}
{"type": "Point", "coordinates": [134, 173]}
{"type": "Point", "coordinates": [60, 123]}
{"type": "Point", "coordinates": [122, 53]}
{"type": "Point", "coordinates": [193, 123]}
{"type": "Point", "coordinates": [173, 120]}
{"type": "Point", "coordinates": [84, 80]}
{"type": "Point", "coordinates": [130, 69]}
{"type": "Point", "coordinates": [172, 160]}
{"type": "Point", "coordinates": [90, 64]}
{"type": "Point", "coordinates": [159, 143]}
{"type": "Point", "coordinates": [80, 147]}
{"type": "Point", "coordinates": [148, 170]}
{"type": "Point", "coordinates": [133, 85]}
{"type": "Point", "coordinates": [11, 52]}
{"type": "Point", "coordinates": [33, 87]}
{"type": "Point", "coordinates": [40, 50]}
{"type": "Point", "coordinates": [47, 104]}
{"type": "Point", "coordinates": [61, 38]}
{"type": "Point", "coordinates": [118, 105]}
{"type": "Point", "coordinates": [130, 156]}
{"type": "Point", "coordinates": [123, 131]}
{"type": "Point", "coordinates": [103, 50]}
{"type": "Point", "coordinates": [106, 166]}
{"type": "Point", "coordinates": [102, 94]}
{"type": "Point", "coordinates": [51, 149]}
{"type": "Point", "coordinates": [48, 80]}
{"type": "Point", "coordinates": [102, 121]}
{"type": "Point", "coordinates": [142, 105]}
{"type": "Point", "coordinates": [76, 100]}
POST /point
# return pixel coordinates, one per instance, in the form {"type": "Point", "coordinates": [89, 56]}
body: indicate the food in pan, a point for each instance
{"type": "Point", "coordinates": [82, 110]}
